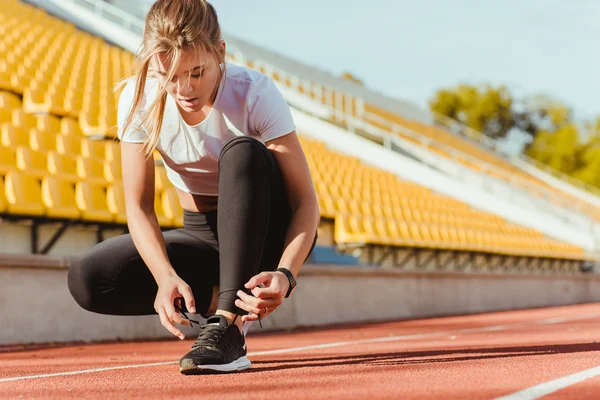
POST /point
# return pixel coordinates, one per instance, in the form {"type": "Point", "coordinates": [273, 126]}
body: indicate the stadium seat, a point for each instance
{"type": "Point", "coordinates": [42, 141]}
{"type": "Point", "coordinates": [91, 200]}
{"type": "Point", "coordinates": [93, 149]}
{"type": "Point", "coordinates": [69, 126]}
{"type": "Point", "coordinates": [161, 180]}
{"type": "Point", "coordinates": [113, 151]}
{"type": "Point", "coordinates": [23, 194]}
{"type": "Point", "coordinates": [91, 170]}
{"type": "Point", "coordinates": [8, 159]}
{"type": "Point", "coordinates": [112, 171]}
{"type": "Point", "coordinates": [34, 163]}
{"type": "Point", "coordinates": [3, 203]}
{"type": "Point", "coordinates": [49, 124]}
{"type": "Point", "coordinates": [23, 120]}
{"type": "Point", "coordinates": [9, 100]}
{"type": "Point", "coordinates": [70, 145]}
{"type": "Point", "coordinates": [63, 166]}
{"type": "Point", "coordinates": [172, 207]}
{"type": "Point", "coordinates": [163, 219]}
{"type": "Point", "coordinates": [11, 136]}
{"type": "Point", "coordinates": [115, 196]}
{"type": "Point", "coordinates": [58, 195]}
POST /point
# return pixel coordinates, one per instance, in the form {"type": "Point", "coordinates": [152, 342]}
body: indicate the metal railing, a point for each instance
{"type": "Point", "coordinates": [112, 13]}
{"type": "Point", "coordinates": [464, 131]}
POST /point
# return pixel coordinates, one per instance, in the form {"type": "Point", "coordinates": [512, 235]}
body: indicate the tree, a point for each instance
{"type": "Point", "coordinates": [556, 140]}
{"type": "Point", "coordinates": [485, 109]}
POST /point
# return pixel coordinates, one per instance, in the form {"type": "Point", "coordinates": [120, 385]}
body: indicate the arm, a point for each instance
{"type": "Point", "coordinates": [138, 182]}
{"type": "Point", "coordinates": [303, 201]}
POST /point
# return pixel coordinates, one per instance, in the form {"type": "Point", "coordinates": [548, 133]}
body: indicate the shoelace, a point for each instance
{"type": "Point", "coordinates": [184, 315]}
{"type": "Point", "coordinates": [208, 337]}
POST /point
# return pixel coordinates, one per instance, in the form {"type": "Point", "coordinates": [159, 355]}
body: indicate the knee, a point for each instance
{"type": "Point", "coordinates": [83, 283]}
{"type": "Point", "coordinates": [243, 152]}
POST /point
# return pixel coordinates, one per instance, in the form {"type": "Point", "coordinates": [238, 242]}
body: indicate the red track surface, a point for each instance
{"type": "Point", "coordinates": [447, 358]}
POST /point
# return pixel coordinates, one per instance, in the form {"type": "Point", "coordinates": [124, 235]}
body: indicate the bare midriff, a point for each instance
{"type": "Point", "coordinates": [196, 202]}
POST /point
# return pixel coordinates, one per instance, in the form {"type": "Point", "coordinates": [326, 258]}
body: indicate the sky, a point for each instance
{"type": "Point", "coordinates": [410, 48]}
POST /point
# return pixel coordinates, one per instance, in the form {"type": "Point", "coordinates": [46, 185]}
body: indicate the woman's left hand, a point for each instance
{"type": "Point", "coordinates": [268, 290]}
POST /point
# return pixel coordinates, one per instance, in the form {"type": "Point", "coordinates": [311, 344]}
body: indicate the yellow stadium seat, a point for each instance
{"type": "Point", "coordinates": [115, 196]}
{"type": "Point", "coordinates": [48, 123]}
{"type": "Point", "coordinates": [63, 166]}
{"type": "Point", "coordinates": [163, 219]}
{"type": "Point", "coordinates": [91, 170]}
{"type": "Point", "coordinates": [11, 136]}
{"type": "Point", "coordinates": [3, 203]}
{"type": "Point", "coordinates": [112, 171]}
{"type": "Point", "coordinates": [5, 115]}
{"type": "Point", "coordinates": [42, 141]}
{"type": "Point", "coordinates": [8, 159]}
{"type": "Point", "coordinates": [172, 206]}
{"type": "Point", "coordinates": [23, 194]}
{"type": "Point", "coordinates": [70, 145]}
{"type": "Point", "coordinates": [91, 200]}
{"type": "Point", "coordinates": [69, 126]}
{"type": "Point", "coordinates": [23, 120]}
{"type": "Point", "coordinates": [33, 100]}
{"type": "Point", "coordinates": [34, 163]}
{"type": "Point", "coordinates": [58, 195]}
{"type": "Point", "coordinates": [161, 180]}
{"type": "Point", "coordinates": [113, 151]}
{"type": "Point", "coordinates": [93, 148]}
{"type": "Point", "coordinates": [5, 80]}
{"type": "Point", "coordinates": [9, 100]}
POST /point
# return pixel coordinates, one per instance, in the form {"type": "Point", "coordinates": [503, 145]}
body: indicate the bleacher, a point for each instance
{"type": "Point", "coordinates": [60, 161]}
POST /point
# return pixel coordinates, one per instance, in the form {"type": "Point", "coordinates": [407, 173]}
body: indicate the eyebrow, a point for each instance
{"type": "Point", "coordinates": [193, 69]}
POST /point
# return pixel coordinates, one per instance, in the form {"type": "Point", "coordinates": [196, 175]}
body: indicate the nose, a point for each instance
{"type": "Point", "coordinates": [184, 86]}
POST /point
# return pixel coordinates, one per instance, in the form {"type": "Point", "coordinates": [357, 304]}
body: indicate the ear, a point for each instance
{"type": "Point", "coordinates": [222, 51]}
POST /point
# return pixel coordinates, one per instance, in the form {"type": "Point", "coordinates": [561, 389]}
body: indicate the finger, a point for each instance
{"type": "Point", "coordinates": [188, 296]}
{"type": "Point", "coordinates": [247, 307]}
{"type": "Point", "coordinates": [174, 315]}
{"type": "Point", "coordinates": [256, 280]}
{"type": "Point", "coordinates": [250, 317]}
{"type": "Point", "coordinates": [266, 292]}
{"type": "Point", "coordinates": [166, 322]}
{"type": "Point", "coordinates": [257, 309]}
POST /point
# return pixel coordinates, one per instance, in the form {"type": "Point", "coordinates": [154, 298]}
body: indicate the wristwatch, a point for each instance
{"type": "Point", "coordinates": [291, 279]}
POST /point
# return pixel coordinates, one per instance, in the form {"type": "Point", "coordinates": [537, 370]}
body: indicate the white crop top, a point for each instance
{"type": "Point", "coordinates": [247, 104]}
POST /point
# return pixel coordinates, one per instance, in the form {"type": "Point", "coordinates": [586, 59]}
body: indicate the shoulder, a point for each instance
{"type": "Point", "coordinates": [129, 90]}
{"type": "Point", "coordinates": [245, 83]}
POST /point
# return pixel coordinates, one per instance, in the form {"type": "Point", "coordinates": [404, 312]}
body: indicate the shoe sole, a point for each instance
{"type": "Point", "coordinates": [188, 367]}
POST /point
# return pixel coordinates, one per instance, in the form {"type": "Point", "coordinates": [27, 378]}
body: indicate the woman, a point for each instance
{"type": "Point", "coordinates": [228, 142]}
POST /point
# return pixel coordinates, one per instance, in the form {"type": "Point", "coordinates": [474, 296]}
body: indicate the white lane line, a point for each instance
{"type": "Point", "coordinates": [329, 345]}
{"type": "Point", "coordinates": [543, 389]}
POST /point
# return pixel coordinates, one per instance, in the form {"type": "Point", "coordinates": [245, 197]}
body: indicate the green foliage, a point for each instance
{"type": "Point", "coordinates": [556, 140]}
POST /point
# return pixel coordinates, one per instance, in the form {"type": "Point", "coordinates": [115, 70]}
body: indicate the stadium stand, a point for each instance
{"type": "Point", "coordinates": [60, 160]}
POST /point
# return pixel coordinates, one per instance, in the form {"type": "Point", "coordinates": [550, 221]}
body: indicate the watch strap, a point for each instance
{"type": "Point", "coordinates": [291, 279]}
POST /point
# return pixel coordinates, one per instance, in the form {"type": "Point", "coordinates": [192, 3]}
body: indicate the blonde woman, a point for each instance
{"type": "Point", "coordinates": [228, 142]}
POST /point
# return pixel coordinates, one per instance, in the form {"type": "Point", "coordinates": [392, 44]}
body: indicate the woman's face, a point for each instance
{"type": "Point", "coordinates": [195, 78]}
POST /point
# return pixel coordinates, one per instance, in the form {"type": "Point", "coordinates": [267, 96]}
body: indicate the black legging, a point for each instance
{"type": "Point", "coordinates": [226, 247]}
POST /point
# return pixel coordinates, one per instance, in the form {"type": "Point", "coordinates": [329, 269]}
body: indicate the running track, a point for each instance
{"type": "Point", "coordinates": [546, 353]}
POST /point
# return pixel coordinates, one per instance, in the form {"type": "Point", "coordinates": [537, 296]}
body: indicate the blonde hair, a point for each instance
{"type": "Point", "coordinates": [171, 27]}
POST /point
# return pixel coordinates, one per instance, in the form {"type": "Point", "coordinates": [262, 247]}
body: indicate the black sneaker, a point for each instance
{"type": "Point", "coordinates": [220, 348]}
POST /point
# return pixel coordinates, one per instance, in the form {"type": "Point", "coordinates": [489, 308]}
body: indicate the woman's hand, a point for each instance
{"type": "Point", "coordinates": [170, 288]}
{"type": "Point", "coordinates": [268, 291]}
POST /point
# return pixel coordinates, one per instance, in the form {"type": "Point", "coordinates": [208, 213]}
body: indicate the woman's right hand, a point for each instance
{"type": "Point", "coordinates": [170, 288]}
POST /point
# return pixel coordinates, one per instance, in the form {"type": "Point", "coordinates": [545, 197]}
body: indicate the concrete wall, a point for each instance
{"type": "Point", "coordinates": [36, 306]}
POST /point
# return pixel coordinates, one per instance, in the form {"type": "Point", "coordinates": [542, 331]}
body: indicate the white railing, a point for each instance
{"type": "Point", "coordinates": [464, 131]}
{"type": "Point", "coordinates": [112, 13]}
